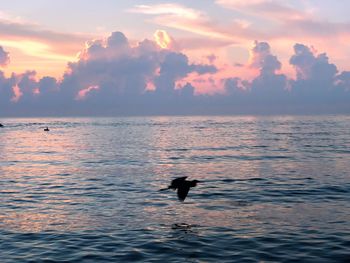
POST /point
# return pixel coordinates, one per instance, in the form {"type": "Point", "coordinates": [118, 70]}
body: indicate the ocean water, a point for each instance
{"type": "Point", "coordinates": [274, 189]}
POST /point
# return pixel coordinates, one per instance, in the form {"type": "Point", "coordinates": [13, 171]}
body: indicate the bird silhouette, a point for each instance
{"type": "Point", "coordinates": [182, 186]}
{"type": "Point", "coordinates": [1, 125]}
{"type": "Point", "coordinates": [46, 129]}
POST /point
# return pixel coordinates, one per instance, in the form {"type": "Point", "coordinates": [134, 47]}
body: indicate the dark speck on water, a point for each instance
{"type": "Point", "coordinates": [272, 189]}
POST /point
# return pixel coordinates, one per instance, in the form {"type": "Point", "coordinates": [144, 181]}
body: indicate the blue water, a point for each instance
{"type": "Point", "coordinates": [275, 189]}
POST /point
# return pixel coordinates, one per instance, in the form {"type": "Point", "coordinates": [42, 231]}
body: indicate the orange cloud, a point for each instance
{"type": "Point", "coordinates": [33, 47]}
{"type": "Point", "coordinates": [36, 49]}
{"type": "Point", "coordinates": [162, 38]}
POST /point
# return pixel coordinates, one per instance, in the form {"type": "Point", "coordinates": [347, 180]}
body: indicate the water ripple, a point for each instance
{"type": "Point", "coordinates": [273, 189]}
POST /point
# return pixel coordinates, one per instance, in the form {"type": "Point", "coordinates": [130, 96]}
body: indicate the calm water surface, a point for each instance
{"type": "Point", "coordinates": [275, 189]}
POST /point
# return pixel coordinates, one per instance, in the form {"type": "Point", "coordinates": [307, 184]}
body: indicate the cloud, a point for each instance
{"type": "Point", "coordinates": [113, 72]}
{"type": "Point", "coordinates": [54, 44]}
{"type": "Point", "coordinates": [163, 39]}
{"type": "Point", "coordinates": [287, 20]}
{"type": "Point", "coordinates": [4, 57]}
{"type": "Point", "coordinates": [32, 44]}
{"type": "Point", "coordinates": [114, 77]}
{"type": "Point", "coordinates": [318, 88]}
{"type": "Point", "coordinates": [196, 43]}
{"type": "Point", "coordinates": [186, 19]}
{"type": "Point", "coordinates": [6, 92]}
{"type": "Point", "coordinates": [262, 59]}
{"type": "Point", "coordinates": [311, 28]}
{"type": "Point", "coordinates": [342, 81]}
{"type": "Point", "coordinates": [317, 80]}
{"type": "Point", "coordinates": [312, 67]}
{"type": "Point", "coordinates": [167, 9]}
{"type": "Point", "coordinates": [114, 66]}
{"type": "Point", "coordinates": [176, 66]}
{"type": "Point", "coordinates": [268, 87]}
{"type": "Point", "coordinates": [272, 8]}
{"type": "Point", "coordinates": [85, 92]}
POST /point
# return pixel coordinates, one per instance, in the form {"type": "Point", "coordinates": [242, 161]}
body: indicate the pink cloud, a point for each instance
{"type": "Point", "coordinates": [269, 9]}
{"type": "Point", "coordinates": [115, 75]}
{"type": "Point", "coordinates": [84, 92]}
{"type": "Point", "coordinates": [17, 93]}
{"type": "Point", "coordinates": [208, 84]}
{"type": "Point", "coordinates": [174, 10]}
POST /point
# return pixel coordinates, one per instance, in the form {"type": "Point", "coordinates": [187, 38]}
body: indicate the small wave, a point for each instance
{"type": "Point", "coordinates": [242, 180]}
{"type": "Point", "coordinates": [336, 189]}
{"type": "Point", "coordinates": [177, 150]}
{"type": "Point", "coordinates": [239, 157]}
{"type": "Point", "coordinates": [175, 158]}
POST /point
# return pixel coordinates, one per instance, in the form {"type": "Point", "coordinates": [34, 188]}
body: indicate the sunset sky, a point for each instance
{"type": "Point", "coordinates": [220, 43]}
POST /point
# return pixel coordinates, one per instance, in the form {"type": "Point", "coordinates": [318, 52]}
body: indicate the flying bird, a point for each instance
{"type": "Point", "coordinates": [1, 125]}
{"type": "Point", "coordinates": [46, 129]}
{"type": "Point", "coordinates": [182, 186]}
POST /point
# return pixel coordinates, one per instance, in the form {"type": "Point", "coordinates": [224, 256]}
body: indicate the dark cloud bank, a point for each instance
{"type": "Point", "coordinates": [113, 78]}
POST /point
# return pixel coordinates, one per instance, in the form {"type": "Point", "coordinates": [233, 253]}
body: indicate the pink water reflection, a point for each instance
{"type": "Point", "coordinates": [35, 168]}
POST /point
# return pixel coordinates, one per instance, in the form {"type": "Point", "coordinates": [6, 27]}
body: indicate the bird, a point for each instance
{"type": "Point", "coordinates": [1, 125]}
{"type": "Point", "coordinates": [46, 129]}
{"type": "Point", "coordinates": [182, 186]}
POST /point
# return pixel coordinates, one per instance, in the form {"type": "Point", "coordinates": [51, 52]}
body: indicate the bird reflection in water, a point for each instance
{"type": "Point", "coordinates": [185, 228]}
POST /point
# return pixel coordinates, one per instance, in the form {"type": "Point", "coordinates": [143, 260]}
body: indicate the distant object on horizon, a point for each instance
{"type": "Point", "coordinates": [1, 125]}
{"type": "Point", "coordinates": [182, 186]}
{"type": "Point", "coordinates": [46, 129]}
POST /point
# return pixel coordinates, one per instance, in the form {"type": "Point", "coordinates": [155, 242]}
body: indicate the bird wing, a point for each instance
{"type": "Point", "coordinates": [177, 182]}
{"type": "Point", "coordinates": [182, 192]}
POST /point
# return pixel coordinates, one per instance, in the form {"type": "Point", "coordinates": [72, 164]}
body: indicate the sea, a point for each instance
{"type": "Point", "coordinates": [272, 189]}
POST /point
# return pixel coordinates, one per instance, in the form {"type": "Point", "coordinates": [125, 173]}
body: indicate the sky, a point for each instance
{"type": "Point", "coordinates": [84, 57]}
